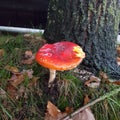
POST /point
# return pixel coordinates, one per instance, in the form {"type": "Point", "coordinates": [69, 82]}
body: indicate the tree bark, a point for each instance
{"type": "Point", "coordinates": [90, 23]}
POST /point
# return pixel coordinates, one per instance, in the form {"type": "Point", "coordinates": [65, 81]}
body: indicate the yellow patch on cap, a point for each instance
{"type": "Point", "coordinates": [79, 51]}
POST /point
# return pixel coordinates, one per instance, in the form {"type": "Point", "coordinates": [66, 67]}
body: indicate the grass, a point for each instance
{"type": "Point", "coordinates": [107, 109]}
{"type": "Point", "coordinates": [69, 90]}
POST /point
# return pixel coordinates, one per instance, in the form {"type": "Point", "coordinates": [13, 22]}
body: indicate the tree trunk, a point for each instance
{"type": "Point", "coordinates": [92, 25]}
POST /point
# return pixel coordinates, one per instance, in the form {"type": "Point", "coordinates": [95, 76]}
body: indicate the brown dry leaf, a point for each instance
{"type": "Point", "coordinates": [116, 82]}
{"type": "Point", "coordinates": [2, 52]}
{"type": "Point", "coordinates": [12, 91]}
{"type": "Point", "coordinates": [28, 54]}
{"type": "Point", "coordinates": [84, 115]}
{"type": "Point", "coordinates": [28, 61]}
{"type": "Point", "coordinates": [93, 82]}
{"type": "Point", "coordinates": [11, 69]}
{"type": "Point", "coordinates": [68, 110]}
{"type": "Point", "coordinates": [49, 117]}
{"type": "Point", "coordinates": [26, 119]}
{"type": "Point", "coordinates": [16, 79]}
{"type": "Point", "coordinates": [86, 99]}
{"type": "Point", "coordinates": [28, 58]}
{"type": "Point", "coordinates": [118, 50]}
{"type": "Point", "coordinates": [52, 110]}
{"type": "Point", "coordinates": [106, 79]}
{"type": "Point", "coordinates": [53, 113]}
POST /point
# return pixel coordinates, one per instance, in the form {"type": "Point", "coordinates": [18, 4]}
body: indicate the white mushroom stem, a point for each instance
{"type": "Point", "coordinates": [52, 76]}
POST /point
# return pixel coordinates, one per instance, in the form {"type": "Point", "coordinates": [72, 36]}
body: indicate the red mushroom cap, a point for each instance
{"type": "Point", "coordinates": [60, 56]}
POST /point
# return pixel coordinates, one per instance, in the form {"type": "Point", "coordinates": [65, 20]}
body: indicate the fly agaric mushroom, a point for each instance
{"type": "Point", "coordinates": [59, 56]}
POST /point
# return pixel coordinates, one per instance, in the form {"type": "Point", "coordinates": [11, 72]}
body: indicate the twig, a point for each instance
{"type": "Point", "coordinates": [107, 95]}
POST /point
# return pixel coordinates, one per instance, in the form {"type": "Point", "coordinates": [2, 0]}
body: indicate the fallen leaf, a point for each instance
{"type": "Point", "coordinates": [105, 78]}
{"type": "Point", "coordinates": [16, 79]}
{"type": "Point", "coordinates": [12, 91]}
{"type": "Point", "coordinates": [2, 52]}
{"type": "Point", "coordinates": [68, 110]}
{"type": "Point", "coordinates": [52, 110]}
{"type": "Point", "coordinates": [93, 82]}
{"type": "Point", "coordinates": [49, 117]}
{"type": "Point", "coordinates": [118, 50]}
{"type": "Point", "coordinates": [86, 99]}
{"type": "Point", "coordinates": [53, 113]}
{"type": "Point", "coordinates": [26, 119]}
{"type": "Point", "coordinates": [116, 82]}
{"type": "Point", "coordinates": [84, 115]}
{"type": "Point", "coordinates": [28, 57]}
{"type": "Point", "coordinates": [28, 61]}
{"type": "Point", "coordinates": [11, 69]}
{"type": "Point", "coordinates": [28, 54]}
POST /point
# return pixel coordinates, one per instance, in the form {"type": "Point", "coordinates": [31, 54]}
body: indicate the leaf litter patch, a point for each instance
{"type": "Point", "coordinates": [27, 86]}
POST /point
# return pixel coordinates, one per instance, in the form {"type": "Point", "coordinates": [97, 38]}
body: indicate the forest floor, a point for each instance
{"type": "Point", "coordinates": [24, 92]}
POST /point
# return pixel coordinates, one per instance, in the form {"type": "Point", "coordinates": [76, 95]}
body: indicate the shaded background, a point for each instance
{"type": "Point", "coordinates": [23, 13]}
